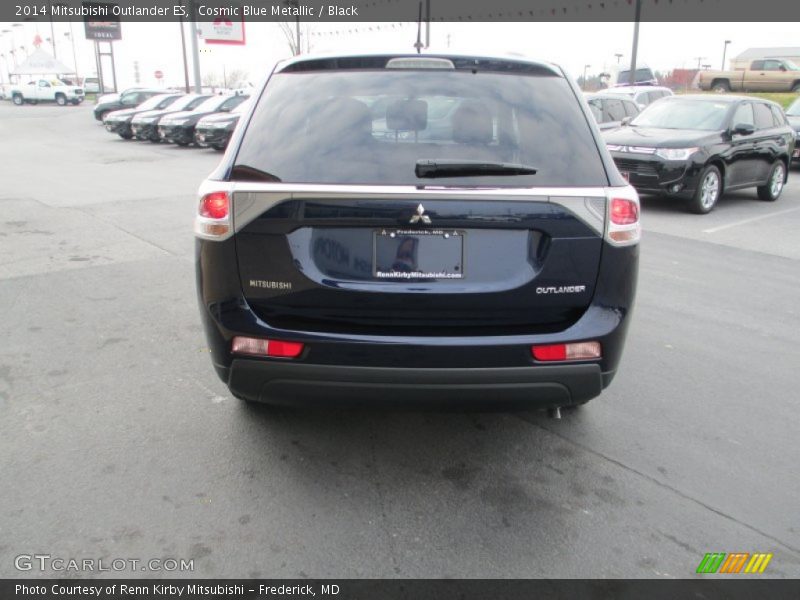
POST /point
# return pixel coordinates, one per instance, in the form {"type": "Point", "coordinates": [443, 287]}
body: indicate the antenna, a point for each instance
{"type": "Point", "coordinates": [418, 44]}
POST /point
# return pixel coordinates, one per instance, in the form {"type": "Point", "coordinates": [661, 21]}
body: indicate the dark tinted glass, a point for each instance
{"type": "Point", "coordinates": [371, 127]}
{"type": "Point", "coordinates": [763, 116]}
{"type": "Point", "coordinates": [757, 65]}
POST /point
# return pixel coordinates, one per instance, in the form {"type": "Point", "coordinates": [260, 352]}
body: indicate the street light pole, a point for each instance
{"type": "Point", "coordinates": [584, 76]}
{"type": "Point", "coordinates": [634, 52]}
{"type": "Point", "coordinates": [52, 28]}
{"type": "Point", "coordinates": [618, 55]}
{"type": "Point", "coordinates": [724, 51]}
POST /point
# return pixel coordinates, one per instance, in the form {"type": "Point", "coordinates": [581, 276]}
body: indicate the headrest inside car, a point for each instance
{"type": "Point", "coordinates": [472, 123]}
{"type": "Point", "coordinates": [407, 115]}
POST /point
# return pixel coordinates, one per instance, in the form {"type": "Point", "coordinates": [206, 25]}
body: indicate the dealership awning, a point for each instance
{"type": "Point", "coordinates": [41, 63]}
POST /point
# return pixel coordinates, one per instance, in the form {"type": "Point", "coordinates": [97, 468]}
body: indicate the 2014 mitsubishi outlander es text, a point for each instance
{"type": "Point", "coordinates": [417, 229]}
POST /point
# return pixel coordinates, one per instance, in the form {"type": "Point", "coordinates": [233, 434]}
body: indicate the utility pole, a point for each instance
{"type": "Point", "coordinates": [198, 85]}
{"type": "Point", "coordinates": [699, 60]}
{"type": "Point", "coordinates": [634, 52]}
{"type": "Point", "coordinates": [183, 51]}
{"type": "Point", "coordinates": [724, 52]}
{"type": "Point", "coordinates": [52, 29]}
{"type": "Point", "coordinates": [427, 23]}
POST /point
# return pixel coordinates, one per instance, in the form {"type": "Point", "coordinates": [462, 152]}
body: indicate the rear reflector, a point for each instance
{"type": "Point", "coordinates": [262, 347]}
{"type": "Point", "coordinates": [562, 352]}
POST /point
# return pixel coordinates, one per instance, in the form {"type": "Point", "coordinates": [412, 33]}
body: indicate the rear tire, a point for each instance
{"type": "Point", "coordinates": [771, 191]}
{"type": "Point", "coordinates": [17, 99]}
{"type": "Point", "coordinates": [709, 189]}
{"type": "Point", "coordinates": [721, 87]}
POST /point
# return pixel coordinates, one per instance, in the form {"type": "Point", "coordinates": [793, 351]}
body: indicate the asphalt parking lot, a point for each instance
{"type": "Point", "coordinates": [118, 441]}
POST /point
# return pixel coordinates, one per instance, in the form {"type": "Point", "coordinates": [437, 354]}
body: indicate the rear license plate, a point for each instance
{"type": "Point", "coordinates": [418, 254]}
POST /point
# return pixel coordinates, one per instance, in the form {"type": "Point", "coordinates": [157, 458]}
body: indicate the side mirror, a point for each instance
{"type": "Point", "coordinates": [744, 129]}
{"type": "Point", "coordinates": [626, 121]}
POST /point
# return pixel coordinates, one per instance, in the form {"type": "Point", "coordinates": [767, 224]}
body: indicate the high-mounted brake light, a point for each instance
{"type": "Point", "coordinates": [263, 347]}
{"type": "Point", "coordinates": [564, 352]}
{"type": "Point", "coordinates": [623, 227]}
{"type": "Point", "coordinates": [213, 219]}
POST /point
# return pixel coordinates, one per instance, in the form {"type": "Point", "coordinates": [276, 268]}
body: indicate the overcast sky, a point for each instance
{"type": "Point", "coordinates": [663, 46]}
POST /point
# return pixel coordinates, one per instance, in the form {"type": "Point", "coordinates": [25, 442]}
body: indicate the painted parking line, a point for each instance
{"type": "Point", "coordinates": [750, 220]}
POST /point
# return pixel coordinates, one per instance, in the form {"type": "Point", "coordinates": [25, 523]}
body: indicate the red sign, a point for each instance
{"type": "Point", "coordinates": [158, 75]}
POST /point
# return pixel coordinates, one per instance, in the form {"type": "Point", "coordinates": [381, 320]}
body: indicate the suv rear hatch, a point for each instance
{"type": "Point", "coordinates": [343, 225]}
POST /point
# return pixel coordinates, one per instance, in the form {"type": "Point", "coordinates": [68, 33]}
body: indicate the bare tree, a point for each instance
{"type": "Point", "coordinates": [289, 30]}
{"type": "Point", "coordinates": [290, 33]}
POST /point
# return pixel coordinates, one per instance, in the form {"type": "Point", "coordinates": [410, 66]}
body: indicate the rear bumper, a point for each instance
{"type": "Point", "coordinates": [327, 385]}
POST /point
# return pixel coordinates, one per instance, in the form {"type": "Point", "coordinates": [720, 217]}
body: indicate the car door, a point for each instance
{"type": "Point", "coordinates": [770, 142]}
{"type": "Point", "coordinates": [43, 90]}
{"type": "Point", "coordinates": [741, 160]}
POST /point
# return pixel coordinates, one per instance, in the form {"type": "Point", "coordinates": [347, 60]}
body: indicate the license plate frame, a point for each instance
{"type": "Point", "coordinates": [401, 254]}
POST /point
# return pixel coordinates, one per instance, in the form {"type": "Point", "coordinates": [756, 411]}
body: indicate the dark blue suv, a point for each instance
{"type": "Point", "coordinates": [350, 252]}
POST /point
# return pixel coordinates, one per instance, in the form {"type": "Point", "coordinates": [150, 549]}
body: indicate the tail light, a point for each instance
{"type": "Point", "coordinates": [263, 347]}
{"type": "Point", "coordinates": [565, 352]}
{"type": "Point", "coordinates": [213, 220]}
{"type": "Point", "coordinates": [623, 226]}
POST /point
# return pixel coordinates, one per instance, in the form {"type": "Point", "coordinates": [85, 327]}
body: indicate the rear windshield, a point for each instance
{"type": "Point", "coordinates": [371, 127]}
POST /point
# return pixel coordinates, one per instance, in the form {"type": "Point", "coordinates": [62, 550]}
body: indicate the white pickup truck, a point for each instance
{"type": "Point", "coordinates": [46, 90]}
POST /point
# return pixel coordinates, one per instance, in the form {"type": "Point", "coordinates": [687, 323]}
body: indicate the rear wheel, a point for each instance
{"type": "Point", "coordinates": [18, 99]}
{"type": "Point", "coordinates": [721, 87]}
{"type": "Point", "coordinates": [61, 99]}
{"type": "Point", "coordinates": [708, 191]}
{"type": "Point", "coordinates": [774, 186]}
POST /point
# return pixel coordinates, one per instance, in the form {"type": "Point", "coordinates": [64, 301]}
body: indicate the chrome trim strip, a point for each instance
{"type": "Point", "coordinates": [252, 199]}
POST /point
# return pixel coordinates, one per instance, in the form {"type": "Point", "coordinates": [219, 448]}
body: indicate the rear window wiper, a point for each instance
{"type": "Point", "coordinates": [427, 168]}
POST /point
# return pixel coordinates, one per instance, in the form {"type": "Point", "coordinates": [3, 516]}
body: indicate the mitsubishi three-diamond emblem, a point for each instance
{"type": "Point", "coordinates": [420, 216]}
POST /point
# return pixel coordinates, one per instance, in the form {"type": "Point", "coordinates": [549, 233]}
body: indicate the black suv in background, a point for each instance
{"type": "Point", "coordinates": [491, 262]}
{"type": "Point", "coordinates": [119, 121]}
{"type": "Point", "coordinates": [130, 98]}
{"type": "Point", "coordinates": [216, 130]}
{"type": "Point", "coordinates": [697, 147]}
{"type": "Point", "coordinates": [179, 127]}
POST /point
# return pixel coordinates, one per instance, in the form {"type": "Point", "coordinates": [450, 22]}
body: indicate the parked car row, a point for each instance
{"type": "Point", "coordinates": [697, 147]}
{"type": "Point", "coordinates": [183, 119]}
